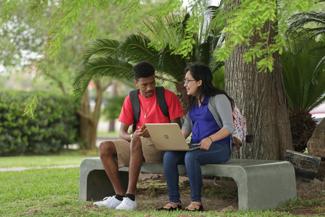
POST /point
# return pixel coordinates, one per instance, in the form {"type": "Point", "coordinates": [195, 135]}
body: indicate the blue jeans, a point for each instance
{"type": "Point", "coordinates": [218, 153]}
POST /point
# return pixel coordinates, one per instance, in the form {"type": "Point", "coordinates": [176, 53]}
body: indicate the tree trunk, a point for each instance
{"type": "Point", "coordinates": [260, 97]}
{"type": "Point", "coordinates": [111, 123]}
{"type": "Point", "coordinates": [85, 122]}
{"type": "Point", "coordinates": [89, 119]}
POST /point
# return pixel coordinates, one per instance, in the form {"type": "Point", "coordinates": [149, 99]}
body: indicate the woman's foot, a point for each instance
{"type": "Point", "coordinates": [194, 206]}
{"type": "Point", "coordinates": [171, 206]}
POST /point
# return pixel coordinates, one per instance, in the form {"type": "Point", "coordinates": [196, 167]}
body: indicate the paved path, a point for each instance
{"type": "Point", "coordinates": [18, 169]}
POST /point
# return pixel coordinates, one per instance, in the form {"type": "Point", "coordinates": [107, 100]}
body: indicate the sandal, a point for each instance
{"type": "Point", "coordinates": [194, 206]}
{"type": "Point", "coordinates": [171, 206]}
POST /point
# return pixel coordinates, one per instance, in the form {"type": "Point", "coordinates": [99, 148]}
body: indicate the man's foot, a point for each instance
{"type": "Point", "coordinates": [127, 204]}
{"type": "Point", "coordinates": [108, 202]}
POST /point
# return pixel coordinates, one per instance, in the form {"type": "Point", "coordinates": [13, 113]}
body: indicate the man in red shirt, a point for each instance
{"type": "Point", "coordinates": [132, 149]}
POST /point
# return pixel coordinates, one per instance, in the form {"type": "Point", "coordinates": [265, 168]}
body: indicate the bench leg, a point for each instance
{"type": "Point", "coordinates": [98, 185]}
{"type": "Point", "coordinates": [267, 188]}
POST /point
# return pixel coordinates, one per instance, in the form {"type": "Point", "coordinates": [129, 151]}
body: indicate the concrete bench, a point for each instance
{"type": "Point", "coordinates": [261, 184]}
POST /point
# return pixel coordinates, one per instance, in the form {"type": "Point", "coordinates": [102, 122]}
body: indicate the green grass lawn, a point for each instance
{"type": "Point", "coordinates": [64, 158]}
{"type": "Point", "coordinates": [54, 192]}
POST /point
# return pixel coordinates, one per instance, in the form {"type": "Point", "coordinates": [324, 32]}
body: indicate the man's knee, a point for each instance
{"type": "Point", "coordinates": [107, 149]}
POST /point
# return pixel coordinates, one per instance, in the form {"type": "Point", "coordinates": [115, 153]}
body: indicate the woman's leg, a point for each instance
{"type": "Point", "coordinates": [170, 161]}
{"type": "Point", "coordinates": [218, 153]}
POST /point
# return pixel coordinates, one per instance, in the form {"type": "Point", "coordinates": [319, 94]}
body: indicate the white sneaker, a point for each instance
{"type": "Point", "coordinates": [109, 202]}
{"type": "Point", "coordinates": [127, 204]}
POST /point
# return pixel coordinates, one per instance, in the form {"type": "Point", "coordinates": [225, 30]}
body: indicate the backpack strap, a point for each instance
{"type": "Point", "coordinates": [213, 109]}
{"type": "Point", "coordinates": [135, 107]}
{"type": "Point", "coordinates": [160, 94]}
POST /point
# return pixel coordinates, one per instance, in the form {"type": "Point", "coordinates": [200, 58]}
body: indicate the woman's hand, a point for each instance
{"type": "Point", "coordinates": [206, 143]}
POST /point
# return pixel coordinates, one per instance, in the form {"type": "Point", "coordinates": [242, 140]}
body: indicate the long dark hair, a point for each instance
{"type": "Point", "coordinates": [202, 72]}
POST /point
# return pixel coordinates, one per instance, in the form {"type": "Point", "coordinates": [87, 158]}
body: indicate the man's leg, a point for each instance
{"type": "Point", "coordinates": [136, 159]}
{"type": "Point", "coordinates": [135, 162]}
{"type": "Point", "coordinates": [107, 153]}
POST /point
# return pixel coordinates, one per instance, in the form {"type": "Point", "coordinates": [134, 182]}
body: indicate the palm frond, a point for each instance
{"type": "Point", "coordinates": [167, 31]}
{"type": "Point", "coordinates": [102, 47]}
{"type": "Point", "coordinates": [298, 22]}
{"type": "Point", "coordinates": [319, 65]}
{"type": "Point", "coordinates": [171, 64]}
{"type": "Point", "coordinates": [303, 93]}
{"type": "Point", "coordinates": [136, 48]}
{"type": "Point", "coordinates": [100, 67]}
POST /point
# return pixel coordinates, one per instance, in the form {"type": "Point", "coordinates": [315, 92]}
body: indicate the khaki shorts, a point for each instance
{"type": "Point", "coordinates": [150, 153]}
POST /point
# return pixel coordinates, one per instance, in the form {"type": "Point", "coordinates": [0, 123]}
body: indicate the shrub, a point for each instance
{"type": "Point", "coordinates": [53, 125]}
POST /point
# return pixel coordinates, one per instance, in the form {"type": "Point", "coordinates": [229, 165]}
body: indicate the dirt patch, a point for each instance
{"type": "Point", "coordinates": [220, 194]}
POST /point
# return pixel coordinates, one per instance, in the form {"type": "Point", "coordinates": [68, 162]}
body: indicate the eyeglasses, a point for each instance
{"type": "Point", "coordinates": [186, 81]}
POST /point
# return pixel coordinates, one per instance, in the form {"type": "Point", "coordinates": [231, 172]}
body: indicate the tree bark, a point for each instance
{"type": "Point", "coordinates": [85, 121]}
{"type": "Point", "coordinates": [111, 123]}
{"type": "Point", "coordinates": [89, 119]}
{"type": "Point", "coordinates": [260, 97]}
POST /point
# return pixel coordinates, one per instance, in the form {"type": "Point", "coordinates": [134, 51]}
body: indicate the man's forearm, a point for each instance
{"type": "Point", "coordinates": [125, 136]}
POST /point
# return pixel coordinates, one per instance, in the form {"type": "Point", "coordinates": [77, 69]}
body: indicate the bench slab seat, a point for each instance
{"type": "Point", "coordinates": [261, 184]}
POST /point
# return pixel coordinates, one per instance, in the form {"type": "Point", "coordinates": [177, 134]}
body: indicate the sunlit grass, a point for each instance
{"type": "Point", "coordinates": [54, 192]}
{"type": "Point", "coordinates": [64, 158]}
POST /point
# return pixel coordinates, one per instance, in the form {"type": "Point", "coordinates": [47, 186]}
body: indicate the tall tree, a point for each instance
{"type": "Point", "coordinates": [253, 74]}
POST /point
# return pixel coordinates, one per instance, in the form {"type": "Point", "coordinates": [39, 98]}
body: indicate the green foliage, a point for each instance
{"type": "Point", "coordinates": [263, 20]}
{"type": "Point", "coordinates": [113, 107]}
{"type": "Point", "coordinates": [187, 34]}
{"type": "Point", "coordinates": [219, 78]}
{"type": "Point", "coordinates": [114, 59]}
{"type": "Point", "coordinates": [64, 16]}
{"type": "Point", "coordinates": [54, 123]}
{"type": "Point", "coordinates": [311, 24]}
{"type": "Point", "coordinates": [18, 35]}
{"type": "Point", "coordinates": [304, 86]}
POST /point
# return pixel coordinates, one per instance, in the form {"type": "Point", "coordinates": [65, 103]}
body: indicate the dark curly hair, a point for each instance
{"type": "Point", "coordinates": [143, 69]}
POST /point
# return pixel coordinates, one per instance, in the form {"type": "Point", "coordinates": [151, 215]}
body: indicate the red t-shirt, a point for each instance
{"type": "Point", "coordinates": [150, 111]}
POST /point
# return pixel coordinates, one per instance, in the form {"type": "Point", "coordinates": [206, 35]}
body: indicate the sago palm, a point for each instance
{"type": "Point", "coordinates": [304, 86]}
{"type": "Point", "coordinates": [311, 24]}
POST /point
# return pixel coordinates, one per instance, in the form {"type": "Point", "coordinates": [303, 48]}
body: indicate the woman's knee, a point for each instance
{"type": "Point", "coordinates": [170, 158]}
{"type": "Point", "coordinates": [107, 149]}
{"type": "Point", "coordinates": [190, 157]}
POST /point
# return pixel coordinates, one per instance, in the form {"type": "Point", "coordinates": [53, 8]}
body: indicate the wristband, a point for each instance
{"type": "Point", "coordinates": [210, 139]}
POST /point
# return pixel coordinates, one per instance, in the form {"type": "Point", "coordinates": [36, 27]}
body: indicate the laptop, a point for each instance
{"type": "Point", "coordinates": [168, 137]}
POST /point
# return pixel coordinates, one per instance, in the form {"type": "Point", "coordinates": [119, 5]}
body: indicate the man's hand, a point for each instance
{"type": "Point", "coordinates": [144, 131]}
{"type": "Point", "coordinates": [140, 132]}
